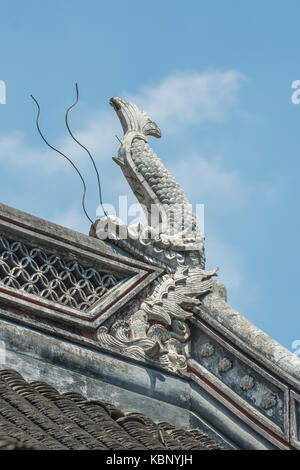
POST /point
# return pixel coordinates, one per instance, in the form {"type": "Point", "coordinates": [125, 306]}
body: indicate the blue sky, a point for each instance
{"type": "Point", "coordinates": [216, 76]}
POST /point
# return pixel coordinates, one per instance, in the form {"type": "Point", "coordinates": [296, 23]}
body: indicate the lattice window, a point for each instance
{"type": "Point", "coordinates": [50, 276]}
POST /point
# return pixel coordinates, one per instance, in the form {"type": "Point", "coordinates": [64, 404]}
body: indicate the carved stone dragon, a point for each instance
{"type": "Point", "coordinates": [158, 331]}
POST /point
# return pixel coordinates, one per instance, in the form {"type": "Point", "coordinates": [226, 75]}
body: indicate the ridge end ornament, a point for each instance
{"type": "Point", "coordinates": [172, 240]}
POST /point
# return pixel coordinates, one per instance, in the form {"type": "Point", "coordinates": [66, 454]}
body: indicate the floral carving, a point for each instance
{"type": "Point", "coordinates": [269, 400]}
{"type": "Point", "coordinates": [224, 365]}
{"type": "Point", "coordinates": [207, 349]}
{"type": "Point", "coordinates": [247, 382]}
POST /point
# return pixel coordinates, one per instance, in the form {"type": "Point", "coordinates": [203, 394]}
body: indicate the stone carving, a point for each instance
{"type": "Point", "coordinates": [172, 228]}
{"type": "Point", "coordinates": [50, 276]}
{"type": "Point", "coordinates": [154, 342]}
{"type": "Point", "coordinates": [269, 400]}
{"type": "Point", "coordinates": [237, 375]}
{"type": "Point", "coordinates": [172, 240]}
{"type": "Point", "coordinates": [207, 350]}
{"type": "Point", "coordinates": [224, 365]}
{"type": "Point", "coordinates": [247, 383]}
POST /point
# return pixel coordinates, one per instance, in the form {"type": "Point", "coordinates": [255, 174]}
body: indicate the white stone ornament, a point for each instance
{"type": "Point", "coordinates": [224, 365]}
{"type": "Point", "coordinates": [207, 350]}
{"type": "Point", "coordinates": [269, 401]}
{"type": "Point", "coordinates": [172, 240]}
{"type": "Point", "coordinates": [247, 383]}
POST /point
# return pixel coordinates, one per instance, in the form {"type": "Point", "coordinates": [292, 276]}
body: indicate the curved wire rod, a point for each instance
{"type": "Point", "coordinates": [65, 156]}
{"type": "Point", "coordinates": [74, 138]}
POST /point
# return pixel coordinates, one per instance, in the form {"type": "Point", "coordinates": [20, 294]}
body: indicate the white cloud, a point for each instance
{"type": "Point", "coordinates": [98, 135]}
{"type": "Point", "coordinates": [16, 153]}
{"type": "Point", "coordinates": [188, 98]}
{"type": "Point", "coordinates": [209, 181]}
{"type": "Point", "coordinates": [178, 100]}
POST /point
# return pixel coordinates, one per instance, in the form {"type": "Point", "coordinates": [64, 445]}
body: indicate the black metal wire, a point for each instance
{"type": "Point", "coordinates": [74, 138]}
{"type": "Point", "coordinates": [65, 156]}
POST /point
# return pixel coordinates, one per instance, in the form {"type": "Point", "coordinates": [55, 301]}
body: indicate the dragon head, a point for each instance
{"type": "Point", "coordinates": [132, 119]}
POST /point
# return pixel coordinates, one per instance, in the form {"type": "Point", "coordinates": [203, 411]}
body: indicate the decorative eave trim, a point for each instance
{"type": "Point", "coordinates": [250, 339]}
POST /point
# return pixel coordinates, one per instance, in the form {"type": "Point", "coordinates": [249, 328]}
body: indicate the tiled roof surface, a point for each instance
{"type": "Point", "coordinates": [36, 416]}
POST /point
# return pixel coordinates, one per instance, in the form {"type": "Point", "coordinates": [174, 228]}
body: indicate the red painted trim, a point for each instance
{"type": "Point", "coordinates": [50, 322]}
{"type": "Point", "coordinates": [130, 289]}
{"type": "Point", "coordinates": [240, 408]}
{"type": "Point", "coordinates": [42, 304]}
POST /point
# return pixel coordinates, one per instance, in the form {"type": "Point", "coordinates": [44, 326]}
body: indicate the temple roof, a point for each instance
{"type": "Point", "coordinates": [34, 415]}
{"type": "Point", "coordinates": [225, 376]}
